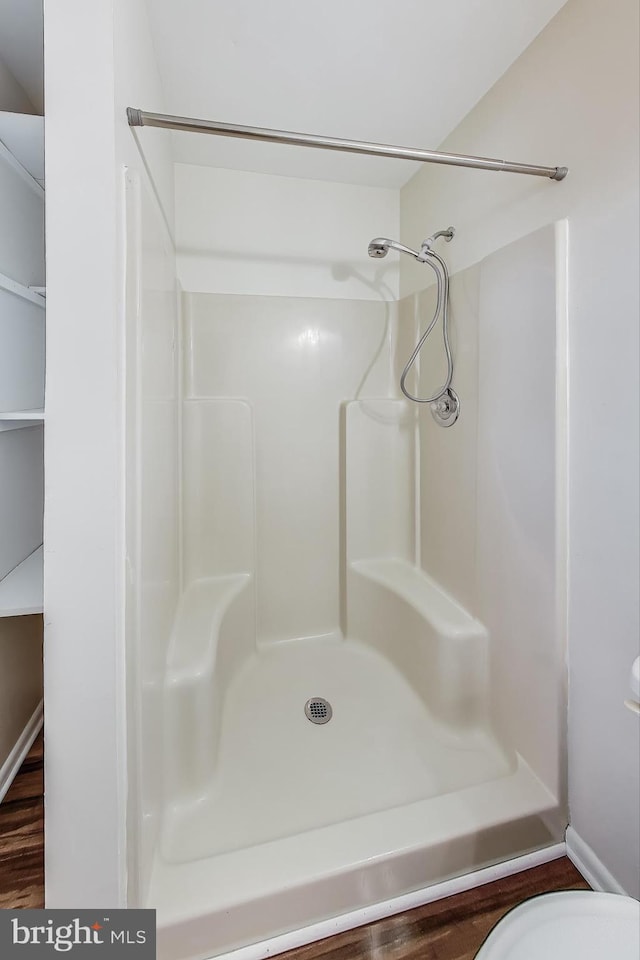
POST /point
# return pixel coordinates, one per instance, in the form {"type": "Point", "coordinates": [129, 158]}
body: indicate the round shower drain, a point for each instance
{"type": "Point", "coordinates": [318, 710]}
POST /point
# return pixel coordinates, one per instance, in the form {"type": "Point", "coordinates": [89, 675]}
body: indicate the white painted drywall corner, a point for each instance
{"type": "Point", "coordinates": [572, 98]}
{"type": "Point", "coordinates": [107, 45]}
{"type": "Point", "coordinates": [84, 464]}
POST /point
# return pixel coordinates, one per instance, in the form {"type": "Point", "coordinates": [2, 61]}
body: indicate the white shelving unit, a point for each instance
{"type": "Point", "coordinates": [32, 294]}
{"type": "Point", "coordinates": [21, 590]}
{"type": "Point", "coordinates": [21, 353]}
{"type": "Point", "coordinates": [19, 419]}
{"type": "Point", "coordinates": [22, 366]}
{"type": "Point", "coordinates": [22, 136]}
{"type": "Point", "coordinates": [36, 415]}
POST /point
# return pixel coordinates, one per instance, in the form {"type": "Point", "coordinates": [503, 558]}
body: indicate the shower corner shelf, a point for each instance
{"type": "Point", "coordinates": [21, 591]}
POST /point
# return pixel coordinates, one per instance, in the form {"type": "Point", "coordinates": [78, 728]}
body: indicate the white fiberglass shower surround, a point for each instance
{"type": "Point", "coordinates": [301, 531]}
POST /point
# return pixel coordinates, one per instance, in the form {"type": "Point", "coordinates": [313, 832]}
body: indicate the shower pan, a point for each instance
{"type": "Point", "coordinates": [350, 706]}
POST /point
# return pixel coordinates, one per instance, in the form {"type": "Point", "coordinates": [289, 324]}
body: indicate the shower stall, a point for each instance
{"type": "Point", "coordinates": [346, 623]}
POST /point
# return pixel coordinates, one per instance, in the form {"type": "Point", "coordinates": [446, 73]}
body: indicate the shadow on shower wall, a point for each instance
{"type": "Point", "coordinates": [351, 279]}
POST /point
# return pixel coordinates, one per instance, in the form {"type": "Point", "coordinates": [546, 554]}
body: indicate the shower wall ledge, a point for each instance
{"type": "Point", "coordinates": [446, 616]}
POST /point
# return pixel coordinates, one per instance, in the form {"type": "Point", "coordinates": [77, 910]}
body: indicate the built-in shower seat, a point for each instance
{"type": "Point", "coordinates": [212, 635]}
{"type": "Point", "coordinates": [436, 644]}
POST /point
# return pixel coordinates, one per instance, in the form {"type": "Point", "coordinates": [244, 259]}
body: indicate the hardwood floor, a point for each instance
{"type": "Point", "coordinates": [451, 929]}
{"type": "Point", "coordinates": [22, 835]}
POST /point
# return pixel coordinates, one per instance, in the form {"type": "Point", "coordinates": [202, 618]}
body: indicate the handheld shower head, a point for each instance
{"type": "Point", "coordinates": [378, 247]}
{"type": "Point", "coordinates": [381, 245]}
{"type": "Point", "coordinates": [445, 404]}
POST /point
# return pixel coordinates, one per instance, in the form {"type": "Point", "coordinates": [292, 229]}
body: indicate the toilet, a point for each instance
{"type": "Point", "coordinates": [569, 925]}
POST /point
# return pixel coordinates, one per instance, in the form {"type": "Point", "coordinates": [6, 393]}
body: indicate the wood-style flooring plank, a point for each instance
{"type": "Point", "coordinates": [22, 835]}
{"type": "Point", "coordinates": [28, 786]}
{"type": "Point", "coordinates": [29, 783]}
{"type": "Point", "coordinates": [449, 929]}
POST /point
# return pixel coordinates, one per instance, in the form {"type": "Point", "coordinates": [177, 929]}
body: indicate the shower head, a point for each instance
{"type": "Point", "coordinates": [381, 245]}
{"type": "Point", "coordinates": [378, 247]}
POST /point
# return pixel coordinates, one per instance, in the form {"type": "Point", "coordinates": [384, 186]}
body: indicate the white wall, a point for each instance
{"type": "Point", "coordinates": [252, 233]}
{"type": "Point", "coordinates": [572, 98]}
{"type": "Point", "coordinates": [88, 85]}
{"type": "Point", "coordinates": [83, 461]}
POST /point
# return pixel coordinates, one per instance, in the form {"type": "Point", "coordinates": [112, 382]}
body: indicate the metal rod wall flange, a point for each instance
{"type": "Point", "coordinates": [140, 118]}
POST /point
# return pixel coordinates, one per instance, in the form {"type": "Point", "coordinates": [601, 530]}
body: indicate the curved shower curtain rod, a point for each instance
{"type": "Point", "coordinates": [140, 118]}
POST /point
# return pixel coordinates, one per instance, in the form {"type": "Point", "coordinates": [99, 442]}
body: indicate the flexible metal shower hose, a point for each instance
{"type": "Point", "coordinates": [442, 309]}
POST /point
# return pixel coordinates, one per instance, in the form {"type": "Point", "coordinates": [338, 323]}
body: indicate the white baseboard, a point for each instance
{"type": "Point", "coordinates": [327, 928]}
{"type": "Point", "coordinates": [12, 764]}
{"type": "Point", "coordinates": [590, 866]}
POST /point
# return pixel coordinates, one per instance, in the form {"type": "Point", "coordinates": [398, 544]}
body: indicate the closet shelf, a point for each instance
{"type": "Point", "coordinates": [17, 419]}
{"type": "Point", "coordinates": [33, 294]}
{"type": "Point", "coordinates": [21, 590]}
{"type": "Point", "coordinates": [22, 139]}
{"type": "Point", "coordinates": [22, 415]}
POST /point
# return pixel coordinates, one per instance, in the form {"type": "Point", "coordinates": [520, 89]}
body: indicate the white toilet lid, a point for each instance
{"type": "Point", "coordinates": [571, 924]}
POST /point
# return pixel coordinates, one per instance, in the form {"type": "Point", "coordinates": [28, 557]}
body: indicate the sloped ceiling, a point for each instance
{"type": "Point", "coordinates": [402, 72]}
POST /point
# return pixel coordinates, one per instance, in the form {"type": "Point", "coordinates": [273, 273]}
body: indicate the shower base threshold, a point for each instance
{"type": "Point", "coordinates": [378, 802]}
{"type": "Point", "coordinates": [208, 907]}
